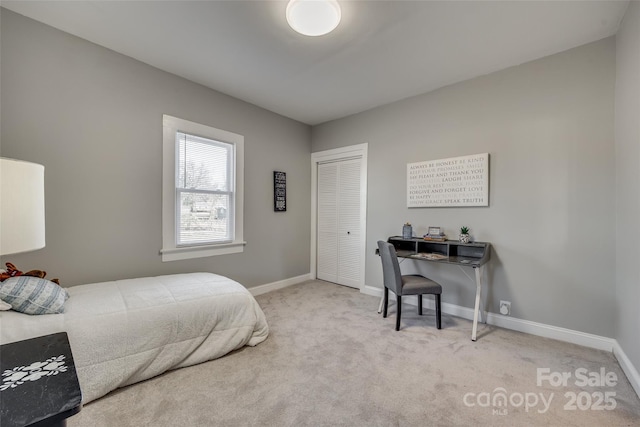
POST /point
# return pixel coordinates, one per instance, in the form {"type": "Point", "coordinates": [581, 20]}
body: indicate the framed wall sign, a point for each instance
{"type": "Point", "coordinates": [279, 191]}
{"type": "Point", "coordinates": [452, 182]}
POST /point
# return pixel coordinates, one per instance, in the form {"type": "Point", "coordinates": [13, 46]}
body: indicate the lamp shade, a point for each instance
{"type": "Point", "coordinates": [21, 206]}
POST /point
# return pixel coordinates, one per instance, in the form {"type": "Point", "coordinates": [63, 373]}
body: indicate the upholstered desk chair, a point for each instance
{"type": "Point", "coordinates": [405, 285]}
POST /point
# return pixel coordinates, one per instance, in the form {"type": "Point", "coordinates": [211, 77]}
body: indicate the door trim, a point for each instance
{"type": "Point", "coordinates": [358, 151]}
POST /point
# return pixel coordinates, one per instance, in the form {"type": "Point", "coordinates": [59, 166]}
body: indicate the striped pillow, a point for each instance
{"type": "Point", "coordinates": [32, 295]}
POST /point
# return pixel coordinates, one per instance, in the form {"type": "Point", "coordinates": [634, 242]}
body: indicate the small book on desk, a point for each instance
{"type": "Point", "coordinates": [435, 234]}
{"type": "Point", "coordinates": [435, 238]}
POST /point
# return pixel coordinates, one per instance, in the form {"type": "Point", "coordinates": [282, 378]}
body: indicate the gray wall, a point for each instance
{"type": "Point", "coordinates": [548, 126]}
{"type": "Point", "coordinates": [628, 183]}
{"type": "Point", "coordinates": [93, 118]}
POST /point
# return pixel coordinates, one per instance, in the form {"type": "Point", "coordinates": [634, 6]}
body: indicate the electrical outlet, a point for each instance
{"type": "Point", "coordinates": [505, 308]}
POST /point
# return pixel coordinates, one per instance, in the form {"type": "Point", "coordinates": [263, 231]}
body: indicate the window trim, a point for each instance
{"type": "Point", "coordinates": [170, 250]}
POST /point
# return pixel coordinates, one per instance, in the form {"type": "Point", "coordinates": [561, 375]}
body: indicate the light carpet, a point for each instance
{"type": "Point", "coordinates": [332, 360]}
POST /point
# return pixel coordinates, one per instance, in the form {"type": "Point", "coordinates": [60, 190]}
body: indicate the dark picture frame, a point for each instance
{"type": "Point", "coordinates": [279, 191]}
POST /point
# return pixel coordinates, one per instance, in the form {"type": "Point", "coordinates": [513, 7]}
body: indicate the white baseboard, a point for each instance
{"type": "Point", "coordinates": [629, 370]}
{"type": "Point", "coordinates": [268, 287]}
{"type": "Point", "coordinates": [555, 332]}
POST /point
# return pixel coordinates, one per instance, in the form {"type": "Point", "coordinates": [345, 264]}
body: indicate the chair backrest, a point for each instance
{"type": "Point", "coordinates": [390, 267]}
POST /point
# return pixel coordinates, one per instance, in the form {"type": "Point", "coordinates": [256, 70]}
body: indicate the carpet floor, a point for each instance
{"type": "Point", "coordinates": [332, 360]}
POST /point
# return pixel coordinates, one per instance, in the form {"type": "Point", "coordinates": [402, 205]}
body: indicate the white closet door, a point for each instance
{"type": "Point", "coordinates": [339, 222]}
{"type": "Point", "coordinates": [327, 262]}
{"type": "Point", "coordinates": [349, 223]}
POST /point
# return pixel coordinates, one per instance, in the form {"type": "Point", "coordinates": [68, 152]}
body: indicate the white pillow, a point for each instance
{"type": "Point", "coordinates": [32, 295]}
{"type": "Point", "coordinates": [4, 306]}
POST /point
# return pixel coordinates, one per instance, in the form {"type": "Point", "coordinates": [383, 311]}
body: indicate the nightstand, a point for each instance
{"type": "Point", "coordinates": [39, 386]}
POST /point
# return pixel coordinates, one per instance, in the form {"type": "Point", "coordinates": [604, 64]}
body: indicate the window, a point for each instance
{"type": "Point", "coordinates": [202, 190]}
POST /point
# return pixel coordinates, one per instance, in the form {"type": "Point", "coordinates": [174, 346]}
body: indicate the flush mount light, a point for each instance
{"type": "Point", "coordinates": [313, 17]}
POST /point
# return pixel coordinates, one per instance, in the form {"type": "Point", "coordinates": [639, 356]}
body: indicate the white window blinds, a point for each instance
{"type": "Point", "coordinates": [205, 193]}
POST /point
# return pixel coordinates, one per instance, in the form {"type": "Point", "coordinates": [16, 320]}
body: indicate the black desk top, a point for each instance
{"type": "Point", "coordinates": [39, 383]}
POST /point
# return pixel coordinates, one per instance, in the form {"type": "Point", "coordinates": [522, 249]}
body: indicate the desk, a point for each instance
{"type": "Point", "coordinates": [473, 255]}
{"type": "Point", "coordinates": [39, 385]}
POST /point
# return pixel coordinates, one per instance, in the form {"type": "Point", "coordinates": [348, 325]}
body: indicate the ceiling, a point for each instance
{"type": "Point", "coordinates": [381, 52]}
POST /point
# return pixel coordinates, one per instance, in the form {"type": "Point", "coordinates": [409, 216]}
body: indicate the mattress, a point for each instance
{"type": "Point", "coordinates": [126, 331]}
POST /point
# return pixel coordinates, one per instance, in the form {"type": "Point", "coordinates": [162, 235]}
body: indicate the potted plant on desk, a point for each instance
{"type": "Point", "coordinates": [464, 234]}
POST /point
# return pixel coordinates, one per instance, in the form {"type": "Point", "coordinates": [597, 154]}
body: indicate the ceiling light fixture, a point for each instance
{"type": "Point", "coordinates": [313, 17]}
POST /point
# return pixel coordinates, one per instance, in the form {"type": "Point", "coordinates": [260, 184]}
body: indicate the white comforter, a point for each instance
{"type": "Point", "coordinates": [127, 331]}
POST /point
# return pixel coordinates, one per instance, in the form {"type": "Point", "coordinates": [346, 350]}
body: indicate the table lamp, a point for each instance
{"type": "Point", "coordinates": [21, 206]}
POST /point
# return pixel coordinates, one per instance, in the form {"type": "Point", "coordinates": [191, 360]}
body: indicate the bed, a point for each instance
{"type": "Point", "coordinates": [126, 331]}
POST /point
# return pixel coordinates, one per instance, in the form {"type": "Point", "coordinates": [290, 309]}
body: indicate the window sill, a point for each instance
{"type": "Point", "coordinates": [176, 254]}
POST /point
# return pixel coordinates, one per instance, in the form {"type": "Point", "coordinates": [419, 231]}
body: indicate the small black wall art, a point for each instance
{"type": "Point", "coordinates": [279, 191]}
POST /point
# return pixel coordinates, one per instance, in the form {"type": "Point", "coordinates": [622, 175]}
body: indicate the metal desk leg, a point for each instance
{"type": "Point", "coordinates": [381, 302]}
{"type": "Point", "coordinates": [476, 311]}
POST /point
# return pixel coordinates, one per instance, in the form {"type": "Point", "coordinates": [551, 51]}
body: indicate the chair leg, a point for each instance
{"type": "Point", "coordinates": [438, 315]}
{"type": "Point", "coordinates": [398, 312]}
{"type": "Point", "coordinates": [420, 305]}
{"type": "Point", "coordinates": [386, 302]}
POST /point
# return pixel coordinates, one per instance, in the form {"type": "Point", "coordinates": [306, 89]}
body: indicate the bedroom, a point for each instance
{"type": "Point", "coordinates": [93, 118]}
